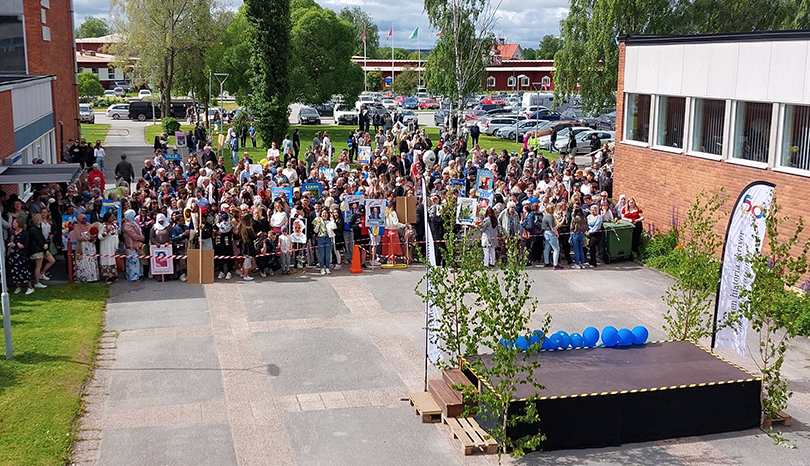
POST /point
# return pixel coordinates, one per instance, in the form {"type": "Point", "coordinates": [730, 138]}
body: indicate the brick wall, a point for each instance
{"type": "Point", "coordinates": [665, 184]}
{"type": "Point", "coordinates": [6, 127]}
{"type": "Point", "coordinates": [55, 57]}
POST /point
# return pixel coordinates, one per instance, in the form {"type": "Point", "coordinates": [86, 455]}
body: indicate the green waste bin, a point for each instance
{"type": "Point", "coordinates": [617, 241]}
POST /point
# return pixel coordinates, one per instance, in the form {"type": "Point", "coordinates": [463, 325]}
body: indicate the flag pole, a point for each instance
{"type": "Point", "coordinates": [392, 57]}
{"type": "Point", "coordinates": [365, 62]}
{"type": "Point", "coordinates": [419, 59]}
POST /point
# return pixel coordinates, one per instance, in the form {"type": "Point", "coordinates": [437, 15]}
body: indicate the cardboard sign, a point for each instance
{"type": "Point", "coordinates": [255, 168]}
{"type": "Point", "coordinates": [314, 188]}
{"type": "Point", "coordinates": [180, 137]}
{"type": "Point", "coordinates": [173, 157]}
{"type": "Point", "coordinates": [406, 209]}
{"type": "Point", "coordinates": [160, 262]}
{"type": "Point", "coordinates": [288, 192]}
{"type": "Point", "coordinates": [485, 180]}
{"type": "Point", "coordinates": [67, 224]}
{"type": "Point", "coordinates": [111, 206]}
{"type": "Point", "coordinates": [328, 173]}
{"type": "Point", "coordinates": [364, 155]}
{"type": "Point", "coordinates": [375, 213]}
{"type": "Point", "coordinates": [466, 211]}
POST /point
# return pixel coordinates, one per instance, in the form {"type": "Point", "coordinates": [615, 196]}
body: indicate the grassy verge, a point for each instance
{"type": "Point", "coordinates": [94, 132]}
{"type": "Point", "coordinates": [55, 333]}
{"type": "Point", "coordinates": [153, 130]}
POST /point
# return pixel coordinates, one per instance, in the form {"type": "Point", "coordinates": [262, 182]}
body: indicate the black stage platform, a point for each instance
{"type": "Point", "coordinates": [597, 397]}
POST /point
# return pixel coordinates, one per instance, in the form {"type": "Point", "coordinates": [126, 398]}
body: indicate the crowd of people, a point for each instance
{"type": "Point", "coordinates": [270, 219]}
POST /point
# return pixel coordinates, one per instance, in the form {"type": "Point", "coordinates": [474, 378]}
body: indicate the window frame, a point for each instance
{"type": "Point", "coordinates": [729, 153]}
{"type": "Point", "coordinates": [626, 119]}
{"type": "Point", "coordinates": [511, 81]}
{"type": "Point", "coordinates": [656, 133]}
{"type": "Point", "coordinates": [525, 81]}
{"type": "Point", "coordinates": [491, 81]}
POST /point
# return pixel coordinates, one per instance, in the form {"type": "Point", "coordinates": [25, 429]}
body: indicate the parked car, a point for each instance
{"type": "Point", "coordinates": [123, 85]}
{"type": "Point", "coordinates": [346, 116]}
{"type": "Point", "coordinates": [142, 111]}
{"type": "Point", "coordinates": [410, 103]}
{"type": "Point", "coordinates": [471, 117]}
{"type": "Point", "coordinates": [490, 125]}
{"type": "Point", "coordinates": [409, 116]}
{"type": "Point", "coordinates": [488, 107]}
{"type": "Point", "coordinates": [508, 132]}
{"type": "Point", "coordinates": [576, 114]}
{"type": "Point", "coordinates": [428, 104]}
{"type": "Point", "coordinates": [363, 100]}
{"type": "Point", "coordinates": [583, 140]}
{"type": "Point", "coordinates": [86, 114]}
{"type": "Point", "coordinates": [544, 114]}
{"type": "Point", "coordinates": [109, 93]}
{"type": "Point", "coordinates": [531, 109]}
{"type": "Point", "coordinates": [564, 135]}
{"type": "Point", "coordinates": [118, 111]}
{"type": "Point", "coordinates": [145, 94]}
{"type": "Point", "coordinates": [326, 109]}
{"type": "Point", "coordinates": [120, 91]}
{"type": "Point", "coordinates": [308, 116]}
{"type": "Point", "coordinates": [493, 100]}
{"type": "Point", "coordinates": [606, 121]}
{"type": "Point", "coordinates": [390, 104]}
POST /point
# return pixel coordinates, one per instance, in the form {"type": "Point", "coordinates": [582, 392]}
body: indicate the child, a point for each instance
{"type": "Point", "coordinates": [269, 260]}
{"type": "Point", "coordinates": [285, 245]}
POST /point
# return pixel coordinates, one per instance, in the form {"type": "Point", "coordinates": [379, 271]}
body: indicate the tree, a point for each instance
{"type": "Point", "coordinates": [689, 314]}
{"type": "Point", "coordinates": [160, 33]}
{"type": "Point", "coordinates": [530, 54]}
{"type": "Point", "coordinates": [362, 21]}
{"type": "Point", "coordinates": [322, 49]}
{"type": "Point", "coordinates": [270, 44]}
{"type": "Point", "coordinates": [89, 85]}
{"type": "Point", "coordinates": [406, 82]}
{"type": "Point", "coordinates": [549, 46]}
{"type": "Point", "coordinates": [233, 57]}
{"type": "Point", "coordinates": [93, 27]}
{"type": "Point", "coordinates": [374, 80]}
{"type": "Point", "coordinates": [457, 64]}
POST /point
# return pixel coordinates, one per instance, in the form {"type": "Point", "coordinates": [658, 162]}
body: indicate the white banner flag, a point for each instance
{"type": "Point", "coordinates": [434, 354]}
{"type": "Point", "coordinates": [749, 210]}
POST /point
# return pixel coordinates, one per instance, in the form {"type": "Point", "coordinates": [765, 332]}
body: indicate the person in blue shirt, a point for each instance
{"type": "Point", "coordinates": [252, 132]}
{"type": "Point", "coordinates": [594, 235]}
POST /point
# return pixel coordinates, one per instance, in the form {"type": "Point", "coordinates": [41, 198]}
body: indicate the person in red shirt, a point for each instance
{"type": "Point", "coordinates": [632, 213]}
{"type": "Point", "coordinates": [95, 173]}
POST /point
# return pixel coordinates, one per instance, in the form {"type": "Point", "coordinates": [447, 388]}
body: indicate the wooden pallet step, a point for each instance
{"type": "Point", "coordinates": [472, 437]}
{"type": "Point", "coordinates": [426, 407]}
{"type": "Point", "coordinates": [781, 418]}
{"type": "Point", "coordinates": [448, 399]}
{"type": "Point", "coordinates": [455, 377]}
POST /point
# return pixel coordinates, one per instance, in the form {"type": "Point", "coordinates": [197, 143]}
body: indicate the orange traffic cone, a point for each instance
{"type": "Point", "coordinates": [356, 261]}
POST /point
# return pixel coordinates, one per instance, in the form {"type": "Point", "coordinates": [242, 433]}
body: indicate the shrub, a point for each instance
{"type": "Point", "coordinates": [170, 125]}
{"type": "Point", "coordinates": [105, 101]}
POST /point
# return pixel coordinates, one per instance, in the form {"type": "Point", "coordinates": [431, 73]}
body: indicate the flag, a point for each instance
{"type": "Point", "coordinates": [364, 34]}
{"type": "Point", "coordinates": [414, 33]}
{"type": "Point", "coordinates": [735, 272]}
{"type": "Point", "coordinates": [390, 33]}
{"type": "Point", "coordinates": [434, 354]}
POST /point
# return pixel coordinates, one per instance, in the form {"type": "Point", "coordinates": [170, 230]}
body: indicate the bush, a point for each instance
{"type": "Point", "coordinates": [105, 102]}
{"type": "Point", "coordinates": [657, 245]}
{"type": "Point", "coordinates": [170, 125]}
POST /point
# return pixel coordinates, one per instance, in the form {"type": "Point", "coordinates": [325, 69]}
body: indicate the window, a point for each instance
{"type": "Point", "coordinates": [524, 81]}
{"type": "Point", "coordinates": [511, 81]}
{"type": "Point", "coordinates": [637, 117]}
{"type": "Point", "coordinates": [491, 81]}
{"type": "Point", "coordinates": [110, 73]}
{"type": "Point", "coordinates": [671, 118]}
{"type": "Point", "coordinates": [12, 45]}
{"type": "Point", "coordinates": [752, 131]}
{"type": "Point", "coordinates": [707, 132]}
{"type": "Point", "coordinates": [795, 148]}
{"type": "Point", "coordinates": [46, 33]}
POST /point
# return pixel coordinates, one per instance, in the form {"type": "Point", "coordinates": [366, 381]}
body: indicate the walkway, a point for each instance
{"type": "Point", "coordinates": [313, 370]}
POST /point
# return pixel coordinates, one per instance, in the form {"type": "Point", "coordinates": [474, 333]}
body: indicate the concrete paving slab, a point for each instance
{"type": "Point", "coordinates": [324, 360]}
{"type": "Point", "coordinates": [139, 315]}
{"type": "Point", "coordinates": [165, 372]}
{"type": "Point", "coordinates": [292, 300]}
{"type": "Point", "coordinates": [149, 290]}
{"type": "Point", "coordinates": [635, 454]}
{"type": "Point", "coordinates": [385, 435]}
{"type": "Point", "coordinates": [196, 444]}
{"type": "Point", "coordinates": [395, 293]}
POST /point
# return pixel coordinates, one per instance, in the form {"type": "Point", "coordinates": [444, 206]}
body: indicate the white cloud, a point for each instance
{"type": "Point", "coordinates": [517, 22]}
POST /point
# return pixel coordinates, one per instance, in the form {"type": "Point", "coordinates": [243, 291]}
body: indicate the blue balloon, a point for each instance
{"type": "Point", "coordinates": [506, 343]}
{"type": "Point", "coordinates": [556, 341]}
{"type": "Point", "coordinates": [566, 340]}
{"type": "Point", "coordinates": [610, 336]}
{"type": "Point", "coordinates": [577, 341]}
{"type": "Point", "coordinates": [640, 335]}
{"type": "Point", "coordinates": [547, 344]}
{"type": "Point", "coordinates": [626, 337]}
{"type": "Point", "coordinates": [522, 343]}
{"type": "Point", "coordinates": [537, 337]}
{"type": "Point", "coordinates": [590, 336]}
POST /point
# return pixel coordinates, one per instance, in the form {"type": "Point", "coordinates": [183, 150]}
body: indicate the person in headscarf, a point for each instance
{"type": "Point", "coordinates": [86, 267]}
{"type": "Point", "coordinates": [133, 242]}
{"type": "Point", "coordinates": [161, 235]}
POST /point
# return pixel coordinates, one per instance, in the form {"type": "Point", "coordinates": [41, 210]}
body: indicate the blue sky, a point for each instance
{"type": "Point", "coordinates": [517, 21]}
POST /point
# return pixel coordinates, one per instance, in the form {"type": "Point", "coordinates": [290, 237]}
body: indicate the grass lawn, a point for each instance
{"type": "Point", "coordinates": [94, 132]}
{"type": "Point", "coordinates": [55, 334]}
{"type": "Point", "coordinates": [153, 130]}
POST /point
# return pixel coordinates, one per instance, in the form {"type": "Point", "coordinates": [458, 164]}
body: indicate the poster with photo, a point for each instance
{"type": "Point", "coordinates": [180, 137]}
{"type": "Point", "coordinates": [314, 188]}
{"type": "Point", "coordinates": [327, 173]}
{"type": "Point", "coordinates": [364, 155]}
{"type": "Point", "coordinates": [466, 211]}
{"type": "Point", "coordinates": [160, 263]}
{"type": "Point", "coordinates": [458, 185]}
{"type": "Point", "coordinates": [111, 206]}
{"type": "Point", "coordinates": [298, 230]}
{"type": "Point", "coordinates": [350, 204]}
{"type": "Point", "coordinates": [67, 224]}
{"type": "Point", "coordinates": [287, 192]}
{"type": "Point", "coordinates": [255, 168]}
{"type": "Point", "coordinates": [375, 213]}
{"type": "Point", "coordinates": [485, 199]}
{"type": "Point", "coordinates": [484, 180]}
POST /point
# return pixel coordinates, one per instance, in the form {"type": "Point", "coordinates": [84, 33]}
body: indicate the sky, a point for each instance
{"type": "Point", "coordinates": [516, 22]}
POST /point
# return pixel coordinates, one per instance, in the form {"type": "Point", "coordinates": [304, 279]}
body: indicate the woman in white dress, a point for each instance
{"type": "Point", "coordinates": [108, 247]}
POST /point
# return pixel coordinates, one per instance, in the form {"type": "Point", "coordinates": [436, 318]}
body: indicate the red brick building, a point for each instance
{"type": "Point", "coordinates": [38, 91]}
{"type": "Point", "coordinates": [703, 112]}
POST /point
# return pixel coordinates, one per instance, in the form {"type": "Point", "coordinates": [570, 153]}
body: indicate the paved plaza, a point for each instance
{"type": "Point", "coordinates": [316, 370]}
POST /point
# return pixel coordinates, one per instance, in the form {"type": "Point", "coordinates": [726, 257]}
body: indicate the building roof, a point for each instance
{"type": "Point", "coordinates": [94, 58]}
{"type": "Point", "coordinates": [108, 39]}
{"type": "Point", "coordinates": [757, 36]}
{"type": "Point", "coordinates": [507, 51]}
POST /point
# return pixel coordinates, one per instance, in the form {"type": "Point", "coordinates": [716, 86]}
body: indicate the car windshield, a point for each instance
{"type": "Point", "coordinates": [408, 112]}
{"type": "Point", "coordinates": [308, 111]}
{"type": "Point", "coordinates": [584, 135]}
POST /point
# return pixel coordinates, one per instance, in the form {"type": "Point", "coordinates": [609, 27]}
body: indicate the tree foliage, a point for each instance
{"type": "Point", "coordinates": [89, 85]}
{"type": "Point", "coordinates": [374, 80]}
{"type": "Point", "coordinates": [161, 33]}
{"type": "Point", "coordinates": [362, 21]}
{"type": "Point", "coordinates": [270, 44]}
{"type": "Point", "coordinates": [530, 53]}
{"type": "Point", "coordinates": [406, 82]}
{"type": "Point", "coordinates": [322, 49]}
{"type": "Point", "coordinates": [92, 27]}
{"type": "Point", "coordinates": [549, 47]}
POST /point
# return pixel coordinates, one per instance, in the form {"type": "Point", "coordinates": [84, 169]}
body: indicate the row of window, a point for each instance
{"type": "Point", "coordinates": [524, 81]}
{"type": "Point", "coordinates": [104, 74]}
{"type": "Point", "coordinates": [722, 128]}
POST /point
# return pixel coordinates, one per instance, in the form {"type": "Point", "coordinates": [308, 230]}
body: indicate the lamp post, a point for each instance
{"type": "Point", "coordinates": [221, 77]}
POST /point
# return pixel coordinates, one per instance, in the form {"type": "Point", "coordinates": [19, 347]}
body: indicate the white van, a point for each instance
{"type": "Point", "coordinates": [543, 99]}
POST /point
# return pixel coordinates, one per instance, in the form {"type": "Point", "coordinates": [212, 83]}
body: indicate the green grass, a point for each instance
{"type": "Point", "coordinates": [94, 132]}
{"type": "Point", "coordinates": [153, 130]}
{"type": "Point", "coordinates": [55, 334]}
